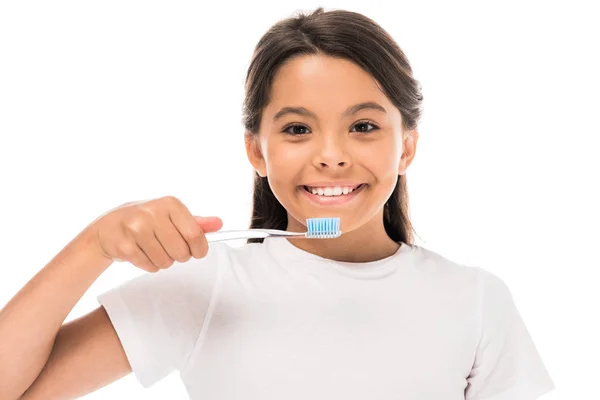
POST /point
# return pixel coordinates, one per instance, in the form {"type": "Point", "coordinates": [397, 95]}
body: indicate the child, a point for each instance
{"type": "Point", "coordinates": [331, 115]}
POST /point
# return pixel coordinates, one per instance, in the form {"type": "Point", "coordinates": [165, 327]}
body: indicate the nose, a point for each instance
{"type": "Point", "coordinates": [331, 153]}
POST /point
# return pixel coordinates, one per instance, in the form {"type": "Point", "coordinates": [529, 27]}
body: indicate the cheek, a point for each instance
{"type": "Point", "coordinates": [381, 158]}
{"type": "Point", "coordinates": [283, 168]}
{"type": "Point", "coordinates": [285, 159]}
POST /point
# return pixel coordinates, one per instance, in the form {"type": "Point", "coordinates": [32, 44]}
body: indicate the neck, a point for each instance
{"type": "Point", "coordinates": [368, 243]}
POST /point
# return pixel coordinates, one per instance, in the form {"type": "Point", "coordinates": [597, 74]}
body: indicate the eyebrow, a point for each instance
{"type": "Point", "coordinates": [371, 105]}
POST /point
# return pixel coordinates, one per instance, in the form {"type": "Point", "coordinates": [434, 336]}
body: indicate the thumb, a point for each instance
{"type": "Point", "coordinates": [209, 224]}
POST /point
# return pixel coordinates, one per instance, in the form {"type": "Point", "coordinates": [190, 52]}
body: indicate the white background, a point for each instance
{"type": "Point", "coordinates": [107, 102]}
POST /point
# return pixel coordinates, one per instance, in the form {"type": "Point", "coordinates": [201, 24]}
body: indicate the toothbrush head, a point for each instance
{"type": "Point", "coordinates": [323, 228]}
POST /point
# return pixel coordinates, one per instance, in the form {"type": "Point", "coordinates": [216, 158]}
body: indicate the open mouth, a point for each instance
{"type": "Point", "coordinates": [332, 196]}
{"type": "Point", "coordinates": [335, 191]}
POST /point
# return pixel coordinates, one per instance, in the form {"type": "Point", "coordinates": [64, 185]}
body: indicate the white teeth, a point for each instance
{"type": "Point", "coordinates": [331, 191]}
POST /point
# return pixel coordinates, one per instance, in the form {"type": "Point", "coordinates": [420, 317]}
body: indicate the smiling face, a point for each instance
{"type": "Point", "coordinates": [330, 143]}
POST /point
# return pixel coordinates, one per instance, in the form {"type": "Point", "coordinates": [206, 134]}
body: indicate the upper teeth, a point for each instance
{"type": "Point", "coordinates": [331, 191]}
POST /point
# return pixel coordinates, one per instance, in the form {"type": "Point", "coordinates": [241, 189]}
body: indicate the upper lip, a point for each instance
{"type": "Point", "coordinates": [353, 185]}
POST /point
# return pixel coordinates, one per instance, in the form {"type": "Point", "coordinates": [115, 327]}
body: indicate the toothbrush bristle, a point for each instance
{"type": "Point", "coordinates": [323, 228]}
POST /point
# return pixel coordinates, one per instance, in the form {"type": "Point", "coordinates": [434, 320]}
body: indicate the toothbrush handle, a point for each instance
{"type": "Point", "coordinates": [232, 235]}
{"type": "Point", "coordinates": [248, 234]}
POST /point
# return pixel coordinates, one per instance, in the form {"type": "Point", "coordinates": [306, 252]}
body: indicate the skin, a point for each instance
{"type": "Point", "coordinates": [332, 146]}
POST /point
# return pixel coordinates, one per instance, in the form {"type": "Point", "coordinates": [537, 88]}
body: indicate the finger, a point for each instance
{"type": "Point", "coordinates": [131, 252]}
{"type": "Point", "coordinates": [171, 240]}
{"type": "Point", "coordinates": [151, 246]}
{"type": "Point", "coordinates": [142, 261]}
{"type": "Point", "coordinates": [209, 224]}
{"type": "Point", "coordinates": [190, 230]}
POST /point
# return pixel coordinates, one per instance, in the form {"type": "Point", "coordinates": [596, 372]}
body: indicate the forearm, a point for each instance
{"type": "Point", "coordinates": [31, 319]}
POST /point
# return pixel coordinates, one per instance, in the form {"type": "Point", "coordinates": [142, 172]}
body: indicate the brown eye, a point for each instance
{"type": "Point", "coordinates": [363, 127]}
{"type": "Point", "coordinates": [296, 129]}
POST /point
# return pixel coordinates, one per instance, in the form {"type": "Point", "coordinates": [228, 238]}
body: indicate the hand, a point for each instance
{"type": "Point", "coordinates": [153, 234]}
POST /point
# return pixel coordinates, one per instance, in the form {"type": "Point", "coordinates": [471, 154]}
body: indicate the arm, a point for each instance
{"type": "Point", "coordinates": [41, 358]}
{"type": "Point", "coordinates": [31, 320]}
{"type": "Point", "coordinates": [87, 355]}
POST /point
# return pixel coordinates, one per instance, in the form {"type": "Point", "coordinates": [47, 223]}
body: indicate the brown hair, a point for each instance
{"type": "Point", "coordinates": [341, 34]}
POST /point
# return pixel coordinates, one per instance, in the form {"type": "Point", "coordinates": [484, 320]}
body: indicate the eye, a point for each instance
{"type": "Point", "coordinates": [363, 126]}
{"type": "Point", "coordinates": [296, 130]}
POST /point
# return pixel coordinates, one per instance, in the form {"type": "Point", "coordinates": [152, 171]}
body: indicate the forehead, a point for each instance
{"type": "Point", "coordinates": [324, 84]}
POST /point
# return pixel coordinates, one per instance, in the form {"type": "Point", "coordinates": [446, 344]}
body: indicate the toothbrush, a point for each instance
{"type": "Point", "coordinates": [318, 228]}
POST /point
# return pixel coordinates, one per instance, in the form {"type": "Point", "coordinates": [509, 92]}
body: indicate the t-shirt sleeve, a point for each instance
{"type": "Point", "coordinates": [507, 364]}
{"type": "Point", "coordinates": [158, 316]}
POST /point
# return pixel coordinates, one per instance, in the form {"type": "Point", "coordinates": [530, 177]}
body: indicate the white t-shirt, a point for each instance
{"type": "Point", "coordinates": [272, 321]}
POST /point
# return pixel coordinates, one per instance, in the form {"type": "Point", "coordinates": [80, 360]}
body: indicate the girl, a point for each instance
{"type": "Point", "coordinates": [331, 115]}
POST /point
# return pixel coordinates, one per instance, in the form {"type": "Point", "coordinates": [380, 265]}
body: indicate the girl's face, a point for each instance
{"type": "Point", "coordinates": [328, 129]}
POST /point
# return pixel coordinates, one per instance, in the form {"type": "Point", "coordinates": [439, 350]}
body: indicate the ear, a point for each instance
{"type": "Point", "coordinates": [254, 153]}
{"type": "Point", "coordinates": [409, 148]}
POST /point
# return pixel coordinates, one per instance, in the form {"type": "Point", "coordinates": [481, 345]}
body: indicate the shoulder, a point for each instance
{"type": "Point", "coordinates": [221, 254]}
{"type": "Point", "coordinates": [434, 264]}
{"type": "Point", "coordinates": [225, 254]}
{"type": "Point", "coordinates": [225, 260]}
{"type": "Point", "coordinates": [436, 267]}
{"type": "Point", "coordinates": [246, 251]}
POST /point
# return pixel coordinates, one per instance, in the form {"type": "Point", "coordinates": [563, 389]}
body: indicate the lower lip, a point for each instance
{"type": "Point", "coordinates": [333, 200]}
